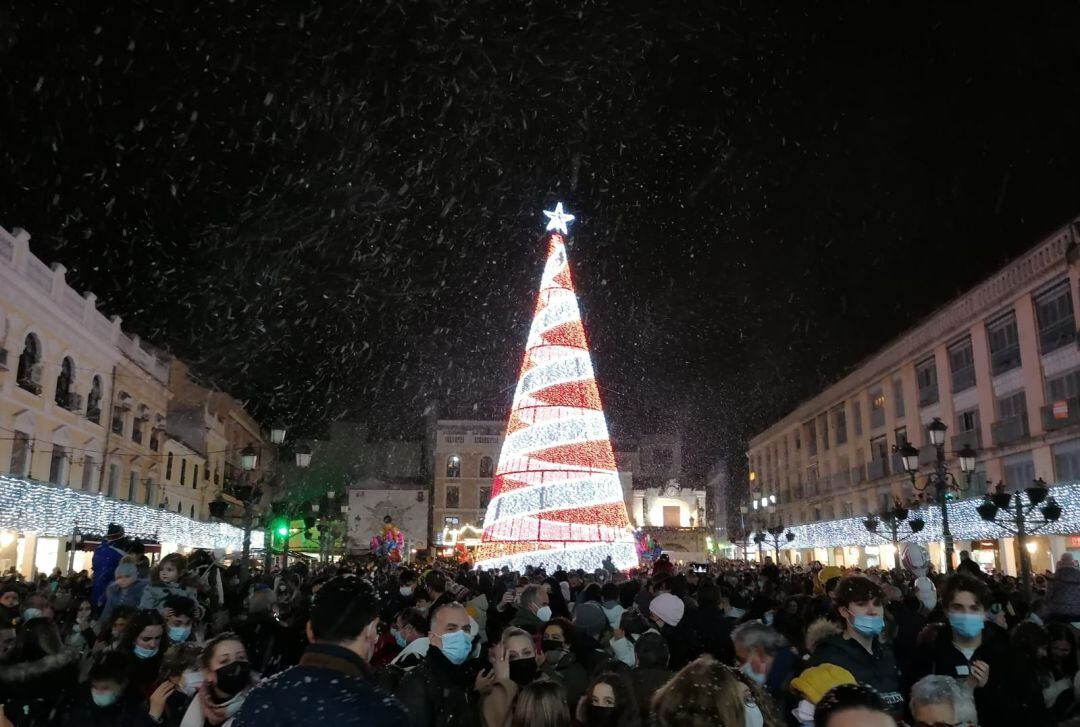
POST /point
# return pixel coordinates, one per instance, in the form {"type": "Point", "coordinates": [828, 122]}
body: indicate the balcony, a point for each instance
{"type": "Point", "coordinates": [928, 395]}
{"type": "Point", "coordinates": [877, 468]}
{"type": "Point", "coordinates": [971, 439]}
{"type": "Point", "coordinates": [1008, 430]}
{"type": "Point", "coordinates": [1061, 414]}
{"type": "Point", "coordinates": [1057, 335]}
{"type": "Point", "coordinates": [963, 379]}
{"type": "Point", "coordinates": [858, 474]}
{"type": "Point", "coordinates": [70, 401]}
{"type": "Point", "coordinates": [1005, 359]}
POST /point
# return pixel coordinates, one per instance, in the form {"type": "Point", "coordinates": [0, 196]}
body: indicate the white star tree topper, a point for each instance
{"type": "Point", "coordinates": [558, 220]}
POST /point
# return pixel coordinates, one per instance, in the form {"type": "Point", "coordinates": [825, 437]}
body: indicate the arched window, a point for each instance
{"type": "Point", "coordinates": [168, 466]}
{"type": "Point", "coordinates": [486, 467]}
{"type": "Point", "coordinates": [93, 401]}
{"type": "Point", "coordinates": [65, 383]}
{"type": "Point", "coordinates": [28, 375]}
{"type": "Point", "coordinates": [453, 466]}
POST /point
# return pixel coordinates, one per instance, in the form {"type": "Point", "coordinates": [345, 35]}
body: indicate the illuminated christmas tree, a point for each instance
{"type": "Point", "coordinates": [557, 499]}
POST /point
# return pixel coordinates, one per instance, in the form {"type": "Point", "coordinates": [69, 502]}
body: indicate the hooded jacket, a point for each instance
{"type": "Point", "coordinates": [438, 693]}
{"type": "Point", "coordinates": [35, 689]}
{"type": "Point", "coordinates": [877, 669]}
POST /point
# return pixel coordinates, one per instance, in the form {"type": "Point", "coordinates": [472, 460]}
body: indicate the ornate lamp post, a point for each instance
{"type": "Point", "coordinates": [892, 519]}
{"type": "Point", "coordinates": [1017, 518]}
{"type": "Point", "coordinates": [777, 535]}
{"type": "Point", "coordinates": [945, 485]}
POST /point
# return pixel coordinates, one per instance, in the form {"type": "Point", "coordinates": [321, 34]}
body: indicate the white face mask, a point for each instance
{"type": "Point", "coordinates": [406, 591]}
{"type": "Point", "coordinates": [804, 713]}
{"type": "Point", "coordinates": [191, 681]}
{"type": "Point", "coordinates": [544, 613]}
{"type": "Point", "coordinates": [752, 715]}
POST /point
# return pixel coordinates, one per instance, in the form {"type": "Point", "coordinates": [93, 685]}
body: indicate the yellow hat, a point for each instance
{"type": "Point", "coordinates": [815, 681]}
{"type": "Point", "coordinates": [829, 571]}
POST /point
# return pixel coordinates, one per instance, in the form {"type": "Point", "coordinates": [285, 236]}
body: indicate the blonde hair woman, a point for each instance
{"type": "Point", "coordinates": [706, 693]}
{"type": "Point", "coordinates": [541, 704]}
{"type": "Point", "coordinates": [516, 665]}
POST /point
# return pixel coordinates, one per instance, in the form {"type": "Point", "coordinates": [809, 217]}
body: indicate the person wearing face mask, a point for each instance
{"type": "Point", "coordinates": [410, 634]}
{"type": "Point", "coordinates": [141, 640]}
{"type": "Point", "coordinates": [609, 702]}
{"type": "Point", "coordinates": [179, 619]}
{"type": "Point", "coordinates": [533, 611]}
{"type": "Point", "coordinates": [969, 648]}
{"type": "Point", "coordinates": [705, 692]}
{"type": "Point", "coordinates": [439, 692]}
{"type": "Point", "coordinates": [183, 675]}
{"type": "Point", "coordinates": [333, 675]}
{"type": "Point", "coordinates": [560, 660]}
{"type": "Point", "coordinates": [227, 682]}
{"type": "Point", "coordinates": [103, 701]}
{"type": "Point", "coordinates": [516, 664]}
{"type": "Point", "coordinates": [859, 650]}
{"type": "Point", "coordinates": [765, 656]}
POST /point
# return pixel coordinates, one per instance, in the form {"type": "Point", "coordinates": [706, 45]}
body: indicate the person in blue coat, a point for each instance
{"type": "Point", "coordinates": [333, 682]}
{"type": "Point", "coordinates": [106, 558]}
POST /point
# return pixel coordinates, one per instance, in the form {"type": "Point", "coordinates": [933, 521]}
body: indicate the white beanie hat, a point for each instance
{"type": "Point", "coordinates": [668, 607]}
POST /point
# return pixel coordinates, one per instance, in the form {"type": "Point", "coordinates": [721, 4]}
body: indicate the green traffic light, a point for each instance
{"type": "Point", "coordinates": [282, 531]}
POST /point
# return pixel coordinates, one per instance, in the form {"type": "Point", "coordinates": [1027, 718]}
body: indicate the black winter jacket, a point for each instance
{"type": "Point", "coordinates": [877, 669]}
{"type": "Point", "coordinates": [440, 694]}
{"type": "Point", "coordinates": [33, 691]}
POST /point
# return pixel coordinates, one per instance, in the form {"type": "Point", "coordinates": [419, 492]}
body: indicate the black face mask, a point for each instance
{"type": "Point", "coordinates": [523, 671]}
{"type": "Point", "coordinates": [547, 645]}
{"type": "Point", "coordinates": [232, 678]}
{"type": "Point", "coordinates": [597, 716]}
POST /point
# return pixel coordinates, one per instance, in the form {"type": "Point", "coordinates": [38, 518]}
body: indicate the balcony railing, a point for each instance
{"type": "Point", "coordinates": [1061, 414]}
{"type": "Point", "coordinates": [1057, 335]}
{"type": "Point", "coordinates": [963, 379]}
{"type": "Point", "coordinates": [877, 468]}
{"type": "Point", "coordinates": [971, 439]}
{"type": "Point", "coordinates": [1009, 430]}
{"type": "Point", "coordinates": [928, 395]}
{"type": "Point", "coordinates": [858, 474]}
{"type": "Point", "coordinates": [1005, 359]}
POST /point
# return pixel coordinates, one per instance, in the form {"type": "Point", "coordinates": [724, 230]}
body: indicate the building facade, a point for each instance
{"type": "Point", "coordinates": [1000, 366]}
{"type": "Point", "coordinates": [466, 453]}
{"type": "Point", "coordinates": [83, 405]}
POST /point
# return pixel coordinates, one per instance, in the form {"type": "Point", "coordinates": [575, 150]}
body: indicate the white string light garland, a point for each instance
{"type": "Point", "coordinates": [55, 511]}
{"type": "Point", "coordinates": [964, 523]}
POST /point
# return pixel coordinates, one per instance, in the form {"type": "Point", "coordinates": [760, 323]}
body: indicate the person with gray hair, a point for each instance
{"type": "Point", "coordinates": [939, 699]}
{"type": "Point", "coordinates": [533, 610]}
{"type": "Point", "coordinates": [765, 656]}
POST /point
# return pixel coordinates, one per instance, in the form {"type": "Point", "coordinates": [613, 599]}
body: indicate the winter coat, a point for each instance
{"type": "Point", "coordinates": [440, 694]}
{"type": "Point", "coordinates": [568, 672]}
{"type": "Point", "coordinates": [528, 621]}
{"type": "Point", "coordinates": [82, 712]}
{"type": "Point", "coordinates": [936, 654]}
{"type": "Point", "coordinates": [683, 642]}
{"type": "Point", "coordinates": [330, 686]}
{"type": "Point", "coordinates": [877, 669]}
{"type": "Point", "coordinates": [646, 683]}
{"type": "Point", "coordinates": [33, 691]}
{"type": "Point", "coordinates": [117, 596]}
{"type": "Point", "coordinates": [154, 594]}
{"type": "Point", "coordinates": [106, 557]}
{"type": "Point", "coordinates": [478, 609]}
{"type": "Point", "coordinates": [1063, 594]}
{"type": "Point", "coordinates": [714, 630]}
{"type": "Point", "coordinates": [270, 645]}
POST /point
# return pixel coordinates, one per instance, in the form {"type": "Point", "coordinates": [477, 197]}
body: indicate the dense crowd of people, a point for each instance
{"type": "Point", "coordinates": [195, 642]}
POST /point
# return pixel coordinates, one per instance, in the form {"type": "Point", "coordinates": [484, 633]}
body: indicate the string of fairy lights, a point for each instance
{"type": "Point", "coordinates": [39, 508]}
{"type": "Point", "coordinates": [964, 523]}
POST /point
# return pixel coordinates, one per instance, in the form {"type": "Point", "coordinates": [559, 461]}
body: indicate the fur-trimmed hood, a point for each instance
{"type": "Point", "coordinates": [29, 671]}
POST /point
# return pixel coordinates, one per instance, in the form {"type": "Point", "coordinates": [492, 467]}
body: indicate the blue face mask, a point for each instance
{"type": "Point", "coordinates": [398, 638]}
{"type": "Point", "coordinates": [145, 653]}
{"type": "Point", "coordinates": [749, 671]}
{"type": "Point", "coordinates": [104, 699]}
{"type": "Point", "coordinates": [31, 613]}
{"type": "Point", "coordinates": [178, 634]}
{"type": "Point", "coordinates": [967, 625]}
{"type": "Point", "coordinates": [869, 626]}
{"type": "Point", "coordinates": [456, 646]}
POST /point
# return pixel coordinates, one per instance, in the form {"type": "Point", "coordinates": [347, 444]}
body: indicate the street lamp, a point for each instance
{"type": "Point", "coordinates": [303, 456]}
{"type": "Point", "coordinates": [776, 535]}
{"type": "Point", "coordinates": [277, 433]}
{"type": "Point", "coordinates": [249, 458]}
{"type": "Point", "coordinates": [945, 484]}
{"type": "Point", "coordinates": [1018, 520]}
{"type": "Point", "coordinates": [892, 519]}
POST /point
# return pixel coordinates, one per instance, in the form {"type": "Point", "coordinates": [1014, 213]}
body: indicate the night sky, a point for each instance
{"type": "Point", "coordinates": [336, 211]}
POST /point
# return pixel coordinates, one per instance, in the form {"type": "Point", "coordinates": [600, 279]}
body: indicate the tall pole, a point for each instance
{"type": "Point", "coordinates": [895, 529]}
{"type": "Point", "coordinates": [1021, 542]}
{"type": "Point", "coordinates": [941, 487]}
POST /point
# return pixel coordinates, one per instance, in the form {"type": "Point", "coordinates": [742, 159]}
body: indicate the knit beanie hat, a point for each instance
{"type": "Point", "coordinates": [590, 618]}
{"type": "Point", "coordinates": [668, 607]}
{"type": "Point", "coordinates": [815, 681]}
{"type": "Point", "coordinates": [128, 570]}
